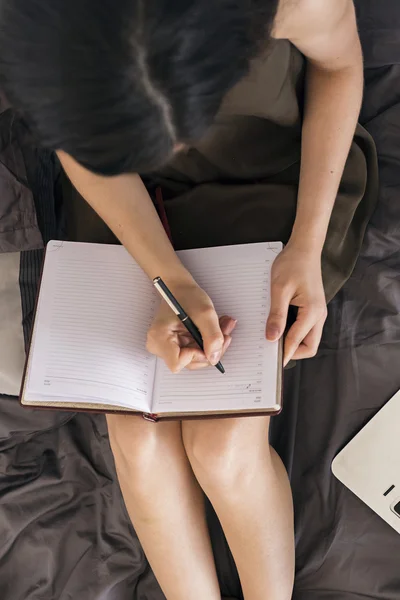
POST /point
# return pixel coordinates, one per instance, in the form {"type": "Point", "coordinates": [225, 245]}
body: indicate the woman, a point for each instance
{"type": "Point", "coordinates": [125, 87]}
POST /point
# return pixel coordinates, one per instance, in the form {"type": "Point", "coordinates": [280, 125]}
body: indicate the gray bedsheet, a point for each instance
{"type": "Point", "coordinates": [344, 551]}
{"type": "Point", "coordinates": [64, 532]}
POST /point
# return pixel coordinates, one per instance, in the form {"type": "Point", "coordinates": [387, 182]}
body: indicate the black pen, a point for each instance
{"type": "Point", "coordinates": [173, 303]}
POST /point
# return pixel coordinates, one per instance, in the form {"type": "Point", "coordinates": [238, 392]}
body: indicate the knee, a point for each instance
{"type": "Point", "coordinates": [222, 464]}
{"type": "Point", "coordinates": [134, 445]}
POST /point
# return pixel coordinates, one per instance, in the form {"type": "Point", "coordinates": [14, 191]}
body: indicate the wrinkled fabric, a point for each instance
{"type": "Point", "coordinates": [20, 271]}
{"type": "Point", "coordinates": [64, 532]}
{"type": "Point", "coordinates": [19, 229]}
{"type": "Point", "coordinates": [344, 550]}
{"type": "Point", "coordinates": [45, 178]}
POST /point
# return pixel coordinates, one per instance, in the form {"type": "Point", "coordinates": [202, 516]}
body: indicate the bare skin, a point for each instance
{"type": "Point", "coordinates": [163, 469]}
{"type": "Point", "coordinates": [245, 482]}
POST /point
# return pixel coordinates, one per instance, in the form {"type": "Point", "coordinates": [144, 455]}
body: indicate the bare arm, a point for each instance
{"type": "Point", "coordinates": [326, 33]}
{"type": "Point", "coordinates": [334, 88]}
{"type": "Point", "coordinates": [124, 204]}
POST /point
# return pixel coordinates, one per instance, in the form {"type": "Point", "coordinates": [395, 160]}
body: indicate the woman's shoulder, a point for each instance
{"type": "Point", "coordinates": [296, 18]}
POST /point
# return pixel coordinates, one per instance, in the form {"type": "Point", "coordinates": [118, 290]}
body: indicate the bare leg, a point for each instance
{"type": "Point", "coordinates": [248, 486]}
{"type": "Point", "coordinates": [165, 505]}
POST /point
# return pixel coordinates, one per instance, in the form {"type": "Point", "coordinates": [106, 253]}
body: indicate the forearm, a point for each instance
{"type": "Point", "coordinates": [333, 101]}
{"type": "Point", "coordinates": [125, 206]}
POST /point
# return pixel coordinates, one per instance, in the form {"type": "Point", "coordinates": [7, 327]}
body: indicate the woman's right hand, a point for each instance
{"type": "Point", "coordinates": [169, 339]}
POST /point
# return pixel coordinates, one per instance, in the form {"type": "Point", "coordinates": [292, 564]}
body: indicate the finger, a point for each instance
{"type": "Point", "coordinates": [168, 349]}
{"type": "Point", "coordinates": [201, 363]}
{"type": "Point", "coordinates": [227, 325]}
{"type": "Point", "coordinates": [306, 320]}
{"type": "Point", "coordinates": [158, 335]}
{"type": "Point", "coordinates": [198, 366]}
{"type": "Point", "coordinates": [167, 346]}
{"type": "Point", "coordinates": [276, 323]}
{"type": "Point", "coordinates": [213, 339]}
{"type": "Point", "coordinates": [185, 340]}
{"type": "Point", "coordinates": [194, 359]}
{"type": "Point", "coordinates": [309, 347]}
{"type": "Point", "coordinates": [190, 356]}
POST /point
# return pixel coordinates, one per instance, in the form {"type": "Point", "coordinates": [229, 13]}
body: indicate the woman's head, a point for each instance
{"type": "Point", "coordinates": [118, 84]}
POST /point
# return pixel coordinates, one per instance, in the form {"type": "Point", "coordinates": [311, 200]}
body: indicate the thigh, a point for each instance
{"type": "Point", "coordinates": [135, 441]}
{"type": "Point", "coordinates": [222, 434]}
{"type": "Point", "coordinates": [224, 447]}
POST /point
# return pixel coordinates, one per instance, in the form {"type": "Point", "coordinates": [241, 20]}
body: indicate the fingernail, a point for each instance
{"type": "Point", "coordinates": [231, 326]}
{"type": "Point", "coordinates": [286, 360]}
{"type": "Point", "coordinates": [215, 356]}
{"type": "Point", "coordinates": [272, 333]}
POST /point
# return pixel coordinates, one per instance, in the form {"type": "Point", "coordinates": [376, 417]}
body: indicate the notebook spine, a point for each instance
{"type": "Point", "coordinates": [150, 417]}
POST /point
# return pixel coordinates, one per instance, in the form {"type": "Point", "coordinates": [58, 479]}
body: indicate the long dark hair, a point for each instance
{"type": "Point", "coordinates": [118, 83]}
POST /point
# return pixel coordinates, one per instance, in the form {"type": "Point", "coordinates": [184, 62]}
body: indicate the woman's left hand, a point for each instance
{"type": "Point", "coordinates": [297, 280]}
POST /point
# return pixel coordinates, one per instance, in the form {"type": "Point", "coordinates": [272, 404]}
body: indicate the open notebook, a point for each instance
{"type": "Point", "coordinates": [95, 305]}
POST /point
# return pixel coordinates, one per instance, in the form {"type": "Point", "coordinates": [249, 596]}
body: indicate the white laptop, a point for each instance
{"type": "Point", "coordinates": [370, 464]}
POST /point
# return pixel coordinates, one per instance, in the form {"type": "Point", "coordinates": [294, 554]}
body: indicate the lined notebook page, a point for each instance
{"type": "Point", "coordinates": [237, 278]}
{"type": "Point", "coordinates": [94, 309]}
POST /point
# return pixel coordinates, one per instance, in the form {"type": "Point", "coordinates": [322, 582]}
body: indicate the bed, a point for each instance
{"type": "Point", "coordinates": [64, 530]}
